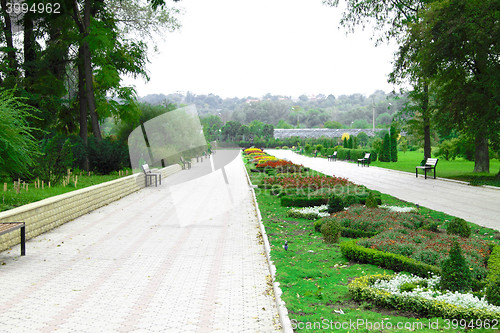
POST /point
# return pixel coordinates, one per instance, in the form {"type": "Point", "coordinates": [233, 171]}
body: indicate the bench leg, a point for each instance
{"type": "Point", "coordinates": [416, 172]}
{"type": "Point", "coordinates": [425, 173]}
{"type": "Point", "coordinates": [23, 241]}
{"type": "Point", "coordinates": [434, 172]}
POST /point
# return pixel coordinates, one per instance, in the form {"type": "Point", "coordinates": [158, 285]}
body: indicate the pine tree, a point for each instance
{"type": "Point", "coordinates": [455, 274]}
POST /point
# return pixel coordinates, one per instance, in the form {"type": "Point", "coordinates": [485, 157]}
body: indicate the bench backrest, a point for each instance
{"type": "Point", "coordinates": [145, 168]}
{"type": "Point", "coordinates": [367, 155]}
{"type": "Point", "coordinates": [334, 153]}
{"type": "Point", "coordinates": [431, 161]}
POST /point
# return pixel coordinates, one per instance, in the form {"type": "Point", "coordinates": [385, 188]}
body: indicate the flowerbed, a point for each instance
{"type": "Point", "coordinates": [430, 247]}
{"type": "Point", "coordinates": [310, 182]}
{"type": "Point", "coordinates": [378, 219]}
{"type": "Point", "coordinates": [385, 290]}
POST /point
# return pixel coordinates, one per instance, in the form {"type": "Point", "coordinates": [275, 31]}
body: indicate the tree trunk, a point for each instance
{"type": "Point", "coordinates": [29, 50]}
{"type": "Point", "coordinates": [11, 51]}
{"type": "Point", "coordinates": [89, 92]}
{"type": "Point", "coordinates": [86, 61]}
{"type": "Point", "coordinates": [83, 105]}
{"type": "Point", "coordinates": [481, 157]}
{"type": "Point", "coordinates": [427, 122]}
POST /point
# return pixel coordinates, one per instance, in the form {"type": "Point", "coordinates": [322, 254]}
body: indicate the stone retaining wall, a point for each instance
{"type": "Point", "coordinates": [47, 214]}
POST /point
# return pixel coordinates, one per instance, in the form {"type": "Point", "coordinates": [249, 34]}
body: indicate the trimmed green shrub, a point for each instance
{"type": "Point", "coordinates": [299, 201]}
{"type": "Point", "coordinates": [350, 200]}
{"type": "Point", "coordinates": [335, 204]}
{"type": "Point", "coordinates": [493, 278]}
{"type": "Point", "coordinates": [397, 262]}
{"type": "Point", "coordinates": [459, 227]}
{"type": "Point", "coordinates": [331, 230]}
{"type": "Point", "coordinates": [455, 275]}
{"type": "Point", "coordinates": [317, 224]}
{"type": "Point", "coordinates": [371, 202]}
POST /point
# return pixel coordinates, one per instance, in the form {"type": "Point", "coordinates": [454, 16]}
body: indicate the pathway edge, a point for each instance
{"type": "Point", "coordinates": [286, 324]}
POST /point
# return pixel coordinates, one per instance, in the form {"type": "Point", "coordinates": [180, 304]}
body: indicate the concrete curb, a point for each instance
{"type": "Point", "coordinates": [286, 324]}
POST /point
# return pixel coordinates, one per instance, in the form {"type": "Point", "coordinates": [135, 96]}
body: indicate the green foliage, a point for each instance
{"type": "Point", "coordinates": [371, 201]}
{"type": "Point", "coordinates": [360, 290]}
{"type": "Point", "coordinates": [394, 133]}
{"type": "Point", "coordinates": [302, 201]}
{"type": "Point", "coordinates": [362, 139]}
{"type": "Point", "coordinates": [455, 275]}
{"type": "Point", "coordinates": [57, 159]}
{"type": "Point", "coordinates": [107, 155]}
{"type": "Point", "coordinates": [459, 227]}
{"type": "Point", "coordinates": [335, 204]}
{"type": "Point", "coordinates": [331, 230]}
{"type": "Point", "coordinates": [493, 277]}
{"type": "Point", "coordinates": [396, 262]}
{"type": "Point", "coordinates": [18, 147]}
{"type": "Point", "coordinates": [385, 153]}
{"type": "Point", "coordinates": [333, 124]}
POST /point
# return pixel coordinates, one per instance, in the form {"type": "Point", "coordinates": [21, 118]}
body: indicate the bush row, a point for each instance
{"type": "Point", "coordinates": [300, 201]}
{"type": "Point", "coordinates": [493, 277]}
{"type": "Point", "coordinates": [318, 200]}
{"type": "Point", "coordinates": [360, 290]}
{"type": "Point", "coordinates": [351, 154]}
{"type": "Point", "coordinates": [352, 251]}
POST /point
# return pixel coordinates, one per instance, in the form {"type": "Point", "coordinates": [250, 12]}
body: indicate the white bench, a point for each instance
{"type": "Point", "coordinates": [365, 160]}
{"type": "Point", "coordinates": [429, 164]}
{"type": "Point", "coordinates": [150, 174]}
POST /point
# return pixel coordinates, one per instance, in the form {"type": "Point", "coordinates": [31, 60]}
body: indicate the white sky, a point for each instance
{"type": "Point", "coordinates": [250, 48]}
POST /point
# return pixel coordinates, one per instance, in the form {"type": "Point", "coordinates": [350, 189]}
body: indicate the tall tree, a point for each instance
{"type": "Point", "coordinates": [391, 19]}
{"type": "Point", "coordinates": [457, 43]}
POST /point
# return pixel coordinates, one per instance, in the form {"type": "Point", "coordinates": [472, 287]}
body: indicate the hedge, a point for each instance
{"type": "Point", "coordinates": [360, 290]}
{"type": "Point", "coordinates": [355, 154]}
{"type": "Point", "coordinates": [493, 277]}
{"type": "Point", "coordinates": [352, 251]}
{"type": "Point", "coordinates": [300, 201]}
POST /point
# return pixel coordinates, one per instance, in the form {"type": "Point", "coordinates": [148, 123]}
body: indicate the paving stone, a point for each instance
{"type": "Point", "coordinates": [180, 257]}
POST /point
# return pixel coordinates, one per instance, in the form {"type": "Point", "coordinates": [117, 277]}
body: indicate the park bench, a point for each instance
{"type": "Point", "coordinates": [150, 174]}
{"type": "Point", "coordinates": [429, 164]}
{"type": "Point", "coordinates": [333, 157]}
{"type": "Point", "coordinates": [185, 163]}
{"type": "Point", "coordinates": [6, 227]}
{"type": "Point", "coordinates": [365, 160]}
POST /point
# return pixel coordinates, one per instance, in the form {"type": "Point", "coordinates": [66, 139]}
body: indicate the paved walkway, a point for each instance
{"type": "Point", "coordinates": [183, 257]}
{"type": "Point", "coordinates": [479, 205]}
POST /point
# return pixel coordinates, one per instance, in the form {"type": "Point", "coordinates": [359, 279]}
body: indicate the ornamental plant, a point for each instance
{"type": "Point", "coordinates": [430, 248]}
{"type": "Point", "coordinates": [335, 204]}
{"type": "Point", "coordinates": [459, 227]}
{"type": "Point", "coordinates": [331, 230]}
{"type": "Point", "coordinates": [455, 274]}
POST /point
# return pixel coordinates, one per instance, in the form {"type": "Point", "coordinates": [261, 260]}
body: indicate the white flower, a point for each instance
{"type": "Point", "coordinates": [432, 292]}
{"type": "Point", "coordinates": [318, 211]}
{"type": "Point", "coordinates": [399, 209]}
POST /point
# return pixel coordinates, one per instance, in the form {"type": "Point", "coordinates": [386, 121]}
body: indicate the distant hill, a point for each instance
{"type": "Point", "coordinates": [285, 111]}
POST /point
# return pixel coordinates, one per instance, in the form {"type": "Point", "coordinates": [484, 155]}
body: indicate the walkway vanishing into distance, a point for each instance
{"type": "Point", "coordinates": [477, 204]}
{"type": "Point", "coordinates": [185, 256]}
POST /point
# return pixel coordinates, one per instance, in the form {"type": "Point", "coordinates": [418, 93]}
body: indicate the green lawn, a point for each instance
{"type": "Point", "coordinates": [459, 168]}
{"type": "Point", "coordinates": [314, 275]}
{"type": "Point", "coordinates": [11, 199]}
